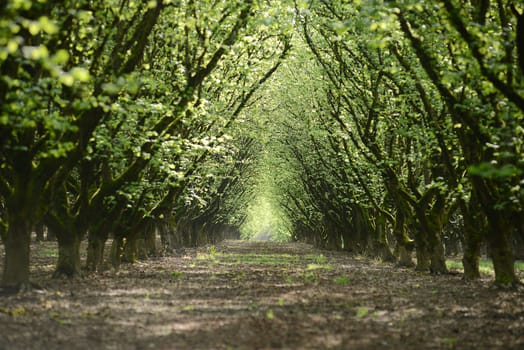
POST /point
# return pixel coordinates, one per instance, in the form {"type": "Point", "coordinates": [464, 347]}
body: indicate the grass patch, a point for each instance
{"type": "Point", "coordinates": [362, 312]}
{"type": "Point", "coordinates": [310, 278]}
{"type": "Point", "coordinates": [319, 267]}
{"type": "Point", "coordinates": [286, 260]}
{"type": "Point", "coordinates": [177, 275]}
{"type": "Point", "coordinates": [48, 253]}
{"type": "Point", "coordinates": [342, 280]}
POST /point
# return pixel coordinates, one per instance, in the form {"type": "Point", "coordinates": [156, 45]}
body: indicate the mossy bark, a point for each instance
{"type": "Point", "coordinates": [423, 258]}
{"type": "Point", "coordinates": [435, 227]}
{"type": "Point", "coordinates": [404, 243]}
{"type": "Point", "coordinates": [499, 233]}
{"type": "Point", "coordinates": [150, 241]}
{"type": "Point", "coordinates": [95, 251]}
{"type": "Point", "coordinates": [17, 242]}
{"type": "Point", "coordinates": [68, 263]}
{"type": "Point", "coordinates": [381, 240]}
{"type": "Point", "coordinates": [39, 231]}
{"type": "Point", "coordinates": [404, 257]}
{"type": "Point", "coordinates": [115, 255]}
{"type": "Point", "coordinates": [474, 232]}
{"type": "Point", "coordinates": [131, 248]}
{"type": "Point", "coordinates": [438, 258]}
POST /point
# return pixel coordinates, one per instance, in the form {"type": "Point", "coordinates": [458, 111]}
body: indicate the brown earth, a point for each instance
{"type": "Point", "coordinates": [259, 295]}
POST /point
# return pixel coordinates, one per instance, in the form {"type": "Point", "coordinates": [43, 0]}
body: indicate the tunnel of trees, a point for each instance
{"type": "Point", "coordinates": [390, 129]}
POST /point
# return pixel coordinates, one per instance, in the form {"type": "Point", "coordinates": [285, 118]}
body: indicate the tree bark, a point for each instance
{"type": "Point", "coordinates": [39, 230]}
{"type": "Point", "coordinates": [381, 240]}
{"type": "Point", "coordinates": [436, 246]}
{"type": "Point", "coordinates": [131, 248]}
{"type": "Point", "coordinates": [404, 244]}
{"type": "Point", "coordinates": [499, 233]}
{"type": "Point", "coordinates": [404, 257]}
{"type": "Point", "coordinates": [17, 248]}
{"type": "Point", "coordinates": [438, 258]}
{"type": "Point", "coordinates": [68, 263]}
{"type": "Point", "coordinates": [474, 231]}
{"type": "Point", "coordinates": [95, 250]}
{"type": "Point", "coordinates": [115, 256]}
{"type": "Point", "coordinates": [150, 241]}
{"type": "Point", "coordinates": [423, 258]}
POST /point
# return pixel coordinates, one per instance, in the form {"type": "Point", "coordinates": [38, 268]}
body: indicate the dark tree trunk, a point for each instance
{"type": "Point", "coordinates": [17, 248]}
{"type": "Point", "coordinates": [68, 263]}
{"type": "Point", "coordinates": [150, 241]}
{"type": "Point", "coordinates": [438, 258]}
{"type": "Point", "coordinates": [430, 248]}
{"type": "Point", "coordinates": [95, 250]}
{"type": "Point", "coordinates": [404, 244]}
{"type": "Point", "coordinates": [423, 258]}
{"type": "Point", "coordinates": [499, 233]}
{"type": "Point", "coordinates": [39, 230]}
{"type": "Point", "coordinates": [51, 235]}
{"type": "Point", "coordinates": [499, 230]}
{"type": "Point", "coordinates": [404, 257]}
{"type": "Point", "coordinates": [474, 231]}
{"type": "Point", "coordinates": [436, 246]}
{"type": "Point", "coordinates": [115, 255]}
{"type": "Point", "coordinates": [381, 241]}
{"type": "Point", "coordinates": [131, 248]}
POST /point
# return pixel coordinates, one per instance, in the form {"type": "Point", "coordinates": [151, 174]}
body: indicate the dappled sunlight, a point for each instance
{"type": "Point", "coordinates": [244, 294]}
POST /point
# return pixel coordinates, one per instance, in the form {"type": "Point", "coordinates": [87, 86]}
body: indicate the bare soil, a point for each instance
{"type": "Point", "coordinates": [259, 295]}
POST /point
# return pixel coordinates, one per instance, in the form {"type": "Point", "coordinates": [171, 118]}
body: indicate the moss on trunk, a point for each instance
{"type": "Point", "coordinates": [68, 263]}
{"type": "Point", "coordinates": [423, 259]}
{"type": "Point", "coordinates": [499, 233]}
{"type": "Point", "coordinates": [115, 255]}
{"type": "Point", "coordinates": [95, 251]}
{"type": "Point", "coordinates": [438, 259]}
{"type": "Point", "coordinates": [16, 261]}
{"type": "Point", "coordinates": [404, 257]}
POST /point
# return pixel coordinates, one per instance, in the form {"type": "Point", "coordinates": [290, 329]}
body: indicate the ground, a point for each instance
{"type": "Point", "coordinates": [259, 295]}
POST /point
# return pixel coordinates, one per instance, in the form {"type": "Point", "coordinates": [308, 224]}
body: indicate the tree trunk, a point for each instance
{"type": "Point", "coordinates": [17, 248]}
{"type": "Point", "coordinates": [499, 233]}
{"type": "Point", "coordinates": [381, 240]}
{"type": "Point", "coordinates": [115, 256]}
{"type": "Point", "coordinates": [404, 244]}
{"type": "Point", "coordinates": [68, 263]}
{"type": "Point", "coordinates": [131, 248]}
{"type": "Point", "coordinates": [423, 258]}
{"type": "Point", "coordinates": [474, 229]}
{"type": "Point", "coordinates": [404, 257]}
{"type": "Point", "coordinates": [470, 260]}
{"type": "Point", "coordinates": [39, 230]}
{"type": "Point", "coordinates": [95, 250]}
{"type": "Point", "coordinates": [430, 248]}
{"type": "Point", "coordinates": [150, 241]}
{"type": "Point", "coordinates": [434, 226]}
{"type": "Point", "coordinates": [499, 229]}
{"type": "Point", "coordinates": [438, 258]}
{"type": "Point", "coordinates": [170, 237]}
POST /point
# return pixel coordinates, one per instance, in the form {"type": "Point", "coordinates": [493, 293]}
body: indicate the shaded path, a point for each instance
{"type": "Point", "coordinates": [261, 295]}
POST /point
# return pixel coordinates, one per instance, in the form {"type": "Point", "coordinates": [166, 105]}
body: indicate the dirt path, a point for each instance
{"type": "Point", "coordinates": [260, 295]}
